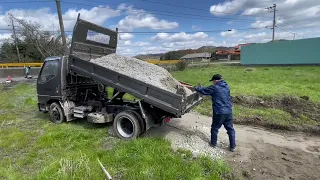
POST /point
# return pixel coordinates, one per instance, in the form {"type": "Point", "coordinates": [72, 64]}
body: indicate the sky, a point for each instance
{"type": "Point", "coordinates": [151, 26]}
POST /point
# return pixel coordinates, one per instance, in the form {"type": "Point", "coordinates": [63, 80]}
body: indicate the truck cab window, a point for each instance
{"type": "Point", "coordinates": [49, 71]}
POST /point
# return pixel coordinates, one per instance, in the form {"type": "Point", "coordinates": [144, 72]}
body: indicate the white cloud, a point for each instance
{"type": "Point", "coordinates": [142, 44]}
{"type": "Point", "coordinates": [126, 36]}
{"type": "Point", "coordinates": [145, 21]}
{"type": "Point", "coordinates": [228, 33]}
{"type": "Point", "coordinates": [129, 43]}
{"type": "Point", "coordinates": [5, 37]}
{"type": "Point", "coordinates": [256, 36]}
{"type": "Point", "coordinates": [179, 37]}
{"type": "Point", "coordinates": [97, 15]}
{"type": "Point", "coordinates": [142, 19]}
{"type": "Point", "coordinates": [49, 20]}
{"type": "Point", "coordinates": [254, 11]}
{"type": "Point", "coordinates": [262, 24]}
{"type": "Point", "coordinates": [266, 37]}
{"type": "Point", "coordinates": [126, 51]}
{"type": "Point", "coordinates": [293, 13]}
{"type": "Point", "coordinates": [227, 7]}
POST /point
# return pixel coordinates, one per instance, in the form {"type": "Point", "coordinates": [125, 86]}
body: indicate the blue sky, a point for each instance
{"type": "Point", "coordinates": [196, 23]}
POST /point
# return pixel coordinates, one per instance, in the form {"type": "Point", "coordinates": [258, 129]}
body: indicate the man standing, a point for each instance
{"type": "Point", "coordinates": [222, 109]}
{"type": "Point", "coordinates": [27, 71]}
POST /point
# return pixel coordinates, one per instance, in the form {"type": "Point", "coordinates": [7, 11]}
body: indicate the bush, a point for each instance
{"type": "Point", "coordinates": [180, 66]}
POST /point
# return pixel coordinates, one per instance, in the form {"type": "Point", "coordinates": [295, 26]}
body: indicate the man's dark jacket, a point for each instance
{"type": "Point", "coordinates": [220, 93]}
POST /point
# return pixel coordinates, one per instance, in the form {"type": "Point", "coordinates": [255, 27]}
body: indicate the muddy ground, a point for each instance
{"type": "Point", "coordinates": [296, 106]}
{"type": "Point", "coordinates": [260, 154]}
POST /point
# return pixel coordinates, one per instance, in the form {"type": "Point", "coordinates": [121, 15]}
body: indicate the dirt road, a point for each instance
{"type": "Point", "coordinates": [260, 154]}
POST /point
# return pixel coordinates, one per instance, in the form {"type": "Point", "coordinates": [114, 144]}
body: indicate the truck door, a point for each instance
{"type": "Point", "coordinates": [49, 80]}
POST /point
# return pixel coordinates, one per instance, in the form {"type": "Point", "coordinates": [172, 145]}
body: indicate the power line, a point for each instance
{"type": "Point", "coordinates": [168, 32]}
{"type": "Point", "coordinates": [174, 14]}
{"type": "Point", "coordinates": [294, 33]}
{"type": "Point", "coordinates": [186, 7]}
{"type": "Point", "coordinates": [288, 26]}
{"type": "Point", "coordinates": [205, 31]}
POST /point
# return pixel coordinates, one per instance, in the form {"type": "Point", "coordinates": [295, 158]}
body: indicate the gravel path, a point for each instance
{"type": "Point", "coordinates": [141, 70]}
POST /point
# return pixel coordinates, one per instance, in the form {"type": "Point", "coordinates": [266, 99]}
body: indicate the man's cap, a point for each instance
{"type": "Point", "coordinates": [216, 77]}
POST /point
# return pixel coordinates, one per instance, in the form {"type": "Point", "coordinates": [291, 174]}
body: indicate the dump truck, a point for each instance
{"type": "Point", "coordinates": [72, 87]}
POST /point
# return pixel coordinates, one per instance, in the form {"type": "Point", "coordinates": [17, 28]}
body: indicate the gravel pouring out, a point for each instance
{"type": "Point", "coordinates": [143, 71]}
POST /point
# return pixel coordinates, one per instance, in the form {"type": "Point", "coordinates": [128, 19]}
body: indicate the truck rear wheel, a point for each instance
{"type": "Point", "coordinates": [126, 125]}
{"type": "Point", "coordinates": [56, 113]}
{"type": "Point", "coordinates": [141, 121]}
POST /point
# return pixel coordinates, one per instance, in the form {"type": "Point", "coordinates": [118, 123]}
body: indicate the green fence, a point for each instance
{"type": "Point", "coordinates": [304, 51]}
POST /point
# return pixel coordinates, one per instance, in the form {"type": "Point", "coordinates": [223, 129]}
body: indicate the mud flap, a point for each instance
{"type": "Point", "coordinates": [68, 107]}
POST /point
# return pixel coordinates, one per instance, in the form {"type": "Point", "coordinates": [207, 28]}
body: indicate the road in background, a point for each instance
{"type": "Point", "coordinates": [19, 79]}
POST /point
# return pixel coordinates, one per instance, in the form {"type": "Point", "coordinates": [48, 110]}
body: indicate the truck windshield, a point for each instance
{"type": "Point", "coordinates": [49, 71]}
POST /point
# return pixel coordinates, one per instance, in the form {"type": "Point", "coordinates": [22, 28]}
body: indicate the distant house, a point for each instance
{"type": "Point", "coordinates": [197, 57]}
{"type": "Point", "coordinates": [230, 54]}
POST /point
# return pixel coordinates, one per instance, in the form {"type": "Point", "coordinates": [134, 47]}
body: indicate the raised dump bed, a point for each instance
{"type": "Point", "coordinates": [165, 100]}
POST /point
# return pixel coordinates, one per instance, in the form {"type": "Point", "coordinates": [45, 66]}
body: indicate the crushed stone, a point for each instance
{"type": "Point", "coordinates": [195, 144]}
{"type": "Point", "coordinates": [143, 71]}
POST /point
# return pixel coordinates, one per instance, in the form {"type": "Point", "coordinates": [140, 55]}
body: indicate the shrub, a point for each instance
{"type": "Point", "coordinates": [180, 66]}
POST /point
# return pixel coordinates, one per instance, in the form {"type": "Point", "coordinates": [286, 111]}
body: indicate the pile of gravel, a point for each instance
{"type": "Point", "coordinates": [195, 144]}
{"type": "Point", "coordinates": [143, 71]}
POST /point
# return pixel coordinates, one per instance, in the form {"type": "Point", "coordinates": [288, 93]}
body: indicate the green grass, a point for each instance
{"type": "Point", "coordinates": [262, 81]}
{"type": "Point", "coordinates": [31, 147]}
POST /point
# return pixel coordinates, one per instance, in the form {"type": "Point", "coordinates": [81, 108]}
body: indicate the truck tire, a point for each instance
{"type": "Point", "coordinates": [126, 125]}
{"type": "Point", "coordinates": [141, 121]}
{"type": "Point", "coordinates": [56, 113]}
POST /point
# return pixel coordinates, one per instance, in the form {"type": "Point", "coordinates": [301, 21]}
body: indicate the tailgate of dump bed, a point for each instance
{"type": "Point", "coordinates": [192, 100]}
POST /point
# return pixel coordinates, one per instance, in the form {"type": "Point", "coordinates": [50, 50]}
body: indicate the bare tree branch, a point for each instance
{"type": "Point", "coordinates": [46, 43]}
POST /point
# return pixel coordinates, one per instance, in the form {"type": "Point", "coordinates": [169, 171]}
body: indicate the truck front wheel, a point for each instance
{"type": "Point", "coordinates": [126, 125]}
{"type": "Point", "coordinates": [56, 113]}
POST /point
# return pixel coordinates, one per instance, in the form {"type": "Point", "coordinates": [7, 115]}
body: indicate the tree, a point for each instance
{"type": "Point", "coordinates": [8, 52]}
{"type": "Point", "coordinates": [34, 44]}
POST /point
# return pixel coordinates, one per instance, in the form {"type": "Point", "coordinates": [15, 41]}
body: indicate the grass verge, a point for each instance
{"type": "Point", "coordinates": [31, 147]}
{"type": "Point", "coordinates": [260, 81]}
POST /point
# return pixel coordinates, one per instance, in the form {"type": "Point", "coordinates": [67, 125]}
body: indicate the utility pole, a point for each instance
{"type": "Point", "coordinates": [61, 25]}
{"type": "Point", "coordinates": [294, 36]}
{"type": "Point", "coordinates": [15, 40]}
{"type": "Point", "coordinates": [273, 8]}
